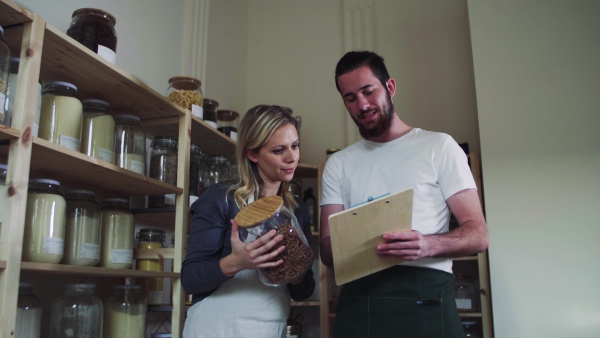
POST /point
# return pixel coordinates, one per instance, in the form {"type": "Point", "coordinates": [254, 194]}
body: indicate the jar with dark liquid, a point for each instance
{"type": "Point", "coordinates": [227, 123]}
{"type": "Point", "coordinates": [95, 29]}
{"type": "Point", "coordinates": [210, 112]}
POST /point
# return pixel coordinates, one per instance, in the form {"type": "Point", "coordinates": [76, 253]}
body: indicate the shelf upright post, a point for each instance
{"type": "Point", "coordinates": [323, 271]}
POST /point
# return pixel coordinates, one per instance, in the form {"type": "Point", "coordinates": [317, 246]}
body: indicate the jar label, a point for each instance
{"type": "Point", "coordinates": [233, 135]}
{"type": "Point", "coordinates": [170, 199]}
{"type": "Point", "coordinates": [463, 304]}
{"type": "Point", "coordinates": [90, 251]}
{"type": "Point", "coordinates": [197, 111]}
{"type": "Point", "coordinates": [106, 155]}
{"type": "Point", "coordinates": [107, 54]}
{"type": "Point", "coordinates": [137, 167]}
{"type": "Point", "coordinates": [69, 142]}
{"type": "Point", "coordinates": [211, 123]}
{"type": "Point", "coordinates": [53, 245]}
{"type": "Point", "coordinates": [121, 256]}
{"type": "Point", "coordinates": [35, 128]}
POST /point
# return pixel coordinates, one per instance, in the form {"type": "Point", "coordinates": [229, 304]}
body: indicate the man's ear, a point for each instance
{"type": "Point", "coordinates": [251, 155]}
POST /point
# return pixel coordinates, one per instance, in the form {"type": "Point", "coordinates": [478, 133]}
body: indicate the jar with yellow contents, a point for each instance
{"type": "Point", "coordinates": [152, 287]}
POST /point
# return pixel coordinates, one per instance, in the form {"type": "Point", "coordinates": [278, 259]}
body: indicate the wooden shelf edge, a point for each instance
{"type": "Point", "coordinates": [307, 303]}
{"type": "Point", "coordinates": [93, 271]}
{"type": "Point", "coordinates": [467, 258]}
{"type": "Point", "coordinates": [7, 133]}
{"type": "Point", "coordinates": [13, 14]}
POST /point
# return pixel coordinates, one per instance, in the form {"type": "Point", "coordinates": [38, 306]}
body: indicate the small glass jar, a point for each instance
{"type": "Point", "coordinates": [29, 313]}
{"type": "Point", "coordinates": [45, 218]}
{"type": "Point", "coordinates": [130, 144]}
{"type": "Point", "coordinates": [186, 92]}
{"type": "Point", "coordinates": [152, 288]}
{"type": "Point", "coordinates": [163, 167]}
{"type": "Point", "coordinates": [210, 112]}
{"type": "Point", "coordinates": [465, 293]}
{"type": "Point", "coordinates": [197, 172]}
{"type": "Point", "coordinates": [4, 71]}
{"type": "Point", "coordinates": [227, 123]}
{"type": "Point", "coordinates": [95, 29]}
{"type": "Point", "coordinates": [117, 234]}
{"type": "Point", "coordinates": [78, 312]}
{"type": "Point", "coordinates": [264, 215]}
{"type": "Point", "coordinates": [11, 94]}
{"type": "Point", "coordinates": [217, 169]}
{"type": "Point", "coordinates": [125, 313]}
{"type": "Point", "coordinates": [98, 131]}
{"type": "Point", "coordinates": [61, 115]}
{"type": "Point", "coordinates": [82, 240]}
{"type": "Point", "coordinates": [471, 329]}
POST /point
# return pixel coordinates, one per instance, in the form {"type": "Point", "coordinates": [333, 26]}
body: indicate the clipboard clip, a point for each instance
{"type": "Point", "coordinates": [369, 199]}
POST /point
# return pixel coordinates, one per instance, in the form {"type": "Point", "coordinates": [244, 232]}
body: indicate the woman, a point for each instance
{"type": "Point", "coordinates": [219, 270]}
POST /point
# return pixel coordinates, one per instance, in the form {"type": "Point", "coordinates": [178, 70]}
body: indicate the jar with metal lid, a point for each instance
{"type": "Point", "coordinates": [95, 29]}
{"type": "Point", "coordinates": [197, 172]}
{"type": "Point", "coordinates": [4, 71]}
{"type": "Point", "coordinates": [163, 167]}
{"type": "Point", "coordinates": [227, 123]}
{"type": "Point", "coordinates": [130, 143]}
{"type": "Point", "coordinates": [471, 329]}
{"type": "Point", "coordinates": [3, 192]}
{"type": "Point", "coordinates": [29, 313]}
{"type": "Point", "coordinates": [269, 213]}
{"type": "Point", "coordinates": [61, 115]}
{"type": "Point", "coordinates": [82, 240]}
{"type": "Point", "coordinates": [217, 169]}
{"type": "Point", "coordinates": [125, 313]}
{"type": "Point", "coordinates": [98, 130]}
{"type": "Point", "coordinates": [45, 218]}
{"type": "Point", "coordinates": [186, 92]}
{"type": "Point", "coordinates": [77, 312]}
{"type": "Point", "coordinates": [210, 112]}
{"type": "Point", "coordinates": [465, 293]}
{"type": "Point", "coordinates": [11, 94]}
{"type": "Point", "coordinates": [152, 288]}
{"type": "Point", "coordinates": [117, 234]}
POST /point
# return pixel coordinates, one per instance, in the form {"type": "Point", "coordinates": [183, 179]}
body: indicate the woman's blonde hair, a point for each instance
{"type": "Point", "coordinates": [256, 128]}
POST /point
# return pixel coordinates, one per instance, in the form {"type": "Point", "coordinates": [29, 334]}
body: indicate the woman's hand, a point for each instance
{"type": "Point", "coordinates": [257, 254]}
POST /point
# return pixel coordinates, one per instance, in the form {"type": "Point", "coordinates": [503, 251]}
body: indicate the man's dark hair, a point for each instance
{"type": "Point", "coordinates": [356, 59]}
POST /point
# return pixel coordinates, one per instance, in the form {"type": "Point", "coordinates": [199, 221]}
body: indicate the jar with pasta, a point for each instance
{"type": "Point", "coordinates": [117, 234]}
{"type": "Point", "coordinates": [186, 92]}
{"type": "Point", "coordinates": [98, 131]}
{"type": "Point", "coordinates": [130, 143]}
{"type": "Point", "coordinates": [163, 167]}
{"type": "Point", "coordinates": [264, 215]}
{"type": "Point", "coordinates": [152, 287]}
{"type": "Point", "coordinates": [61, 115]}
{"type": "Point", "coordinates": [210, 112]}
{"type": "Point", "coordinates": [82, 242]}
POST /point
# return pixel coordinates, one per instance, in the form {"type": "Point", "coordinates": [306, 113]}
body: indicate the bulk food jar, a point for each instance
{"type": "Point", "coordinates": [217, 169]}
{"type": "Point", "coordinates": [186, 92]}
{"type": "Point", "coordinates": [11, 94]}
{"type": "Point", "coordinates": [130, 143]}
{"type": "Point", "coordinates": [77, 312]}
{"type": "Point", "coordinates": [227, 123]}
{"type": "Point", "coordinates": [82, 240]}
{"type": "Point", "coordinates": [44, 235]}
{"type": "Point", "coordinates": [95, 29]}
{"type": "Point", "coordinates": [163, 167]}
{"type": "Point", "coordinates": [465, 293]}
{"type": "Point", "coordinates": [264, 215]}
{"type": "Point", "coordinates": [29, 313]}
{"type": "Point", "coordinates": [98, 130]}
{"type": "Point", "coordinates": [61, 115]}
{"type": "Point", "coordinates": [210, 112]}
{"type": "Point", "coordinates": [117, 234]}
{"type": "Point", "coordinates": [4, 71]}
{"type": "Point", "coordinates": [197, 172]}
{"type": "Point", "coordinates": [152, 288]}
{"type": "Point", "coordinates": [125, 313]}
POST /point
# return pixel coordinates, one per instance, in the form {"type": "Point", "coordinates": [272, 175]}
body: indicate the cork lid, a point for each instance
{"type": "Point", "coordinates": [258, 211]}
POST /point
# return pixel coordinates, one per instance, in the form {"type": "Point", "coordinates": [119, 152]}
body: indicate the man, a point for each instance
{"type": "Point", "coordinates": [414, 298]}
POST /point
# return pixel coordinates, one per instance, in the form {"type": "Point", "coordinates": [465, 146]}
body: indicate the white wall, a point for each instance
{"type": "Point", "coordinates": [537, 76]}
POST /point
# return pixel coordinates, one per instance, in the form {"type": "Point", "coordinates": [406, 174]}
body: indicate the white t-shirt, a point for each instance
{"type": "Point", "coordinates": [430, 163]}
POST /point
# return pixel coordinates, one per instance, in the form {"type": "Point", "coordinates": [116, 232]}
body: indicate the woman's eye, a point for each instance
{"type": "Point", "coordinates": [277, 151]}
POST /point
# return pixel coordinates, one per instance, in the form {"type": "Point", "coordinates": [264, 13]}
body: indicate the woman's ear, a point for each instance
{"type": "Point", "coordinates": [251, 155]}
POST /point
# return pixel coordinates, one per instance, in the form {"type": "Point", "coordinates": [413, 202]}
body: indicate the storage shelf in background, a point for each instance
{"type": "Point", "coordinates": [93, 271]}
{"type": "Point", "coordinates": [467, 258]}
{"type": "Point", "coordinates": [12, 14]}
{"type": "Point", "coordinates": [7, 133]}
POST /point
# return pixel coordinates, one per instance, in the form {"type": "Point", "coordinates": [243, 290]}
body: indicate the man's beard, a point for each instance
{"type": "Point", "coordinates": [383, 124]}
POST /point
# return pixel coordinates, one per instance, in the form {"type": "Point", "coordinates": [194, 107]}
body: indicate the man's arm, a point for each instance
{"type": "Point", "coordinates": [324, 238]}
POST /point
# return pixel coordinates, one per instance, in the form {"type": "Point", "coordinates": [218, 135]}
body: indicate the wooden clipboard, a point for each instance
{"type": "Point", "coordinates": [355, 233]}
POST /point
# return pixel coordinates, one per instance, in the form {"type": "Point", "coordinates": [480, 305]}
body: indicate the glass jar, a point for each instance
{"type": "Point", "coordinates": [471, 329]}
{"type": "Point", "coordinates": [117, 234]}
{"type": "Point", "coordinates": [269, 213]}
{"type": "Point", "coordinates": [210, 112]}
{"type": "Point", "coordinates": [29, 313]}
{"type": "Point", "coordinates": [3, 192]}
{"type": "Point", "coordinates": [152, 288]}
{"type": "Point", "coordinates": [163, 167]}
{"type": "Point", "coordinates": [186, 92]}
{"type": "Point", "coordinates": [227, 123]}
{"type": "Point", "coordinates": [217, 169]}
{"type": "Point", "coordinates": [125, 313]}
{"type": "Point", "coordinates": [465, 293]}
{"type": "Point", "coordinates": [82, 240]}
{"type": "Point", "coordinates": [98, 131]}
{"type": "Point", "coordinates": [11, 94]}
{"type": "Point", "coordinates": [130, 143]}
{"type": "Point", "coordinates": [197, 172]}
{"type": "Point", "coordinates": [61, 115]}
{"type": "Point", "coordinates": [4, 71]}
{"type": "Point", "coordinates": [78, 312]}
{"type": "Point", "coordinates": [95, 29]}
{"type": "Point", "coordinates": [44, 235]}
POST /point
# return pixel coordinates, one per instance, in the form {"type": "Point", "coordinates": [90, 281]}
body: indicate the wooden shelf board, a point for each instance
{"type": "Point", "coordinates": [470, 314]}
{"type": "Point", "coordinates": [13, 14]}
{"type": "Point", "coordinates": [467, 258]}
{"type": "Point", "coordinates": [309, 303]}
{"type": "Point", "coordinates": [92, 271]}
{"type": "Point", "coordinates": [7, 133]}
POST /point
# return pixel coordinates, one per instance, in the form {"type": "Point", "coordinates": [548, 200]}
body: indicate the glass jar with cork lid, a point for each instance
{"type": "Point", "coordinates": [210, 112]}
{"type": "Point", "coordinates": [186, 92]}
{"type": "Point", "coordinates": [227, 123]}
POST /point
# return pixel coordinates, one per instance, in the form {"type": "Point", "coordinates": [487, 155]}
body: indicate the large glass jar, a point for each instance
{"type": "Point", "coordinates": [4, 71]}
{"type": "Point", "coordinates": [117, 234]}
{"type": "Point", "coordinates": [227, 123]}
{"type": "Point", "coordinates": [61, 115]}
{"type": "Point", "coordinates": [264, 215]}
{"type": "Point", "coordinates": [197, 172]}
{"type": "Point", "coordinates": [78, 312]}
{"type": "Point", "coordinates": [163, 167]}
{"type": "Point", "coordinates": [125, 313]}
{"type": "Point", "coordinates": [186, 92]}
{"type": "Point", "coordinates": [82, 243]}
{"type": "Point", "coordinates": [210, 112]}
{"type": "Point", "coordinates": [152, 288]}
{"type": "Point", "coordinates": [217, 169]}
{"type": "Point", "coordinates": [98, 131]}
{"type": "Point", "coordinates": [130, 143]}
{"type": "Point", "coordinates": [11, 94]}
{"type": "Point", "coordinates": [465, 293]}
{"type": "Point", "coordinates": [95, 29]}
{"type": "Point", "coordinates": [44, 235]}
{"type": "Point", "coordinates": [29, 313]}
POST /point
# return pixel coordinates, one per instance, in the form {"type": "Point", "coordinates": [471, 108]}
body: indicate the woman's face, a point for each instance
{"type": "Point", "coordinates": [277, 159]}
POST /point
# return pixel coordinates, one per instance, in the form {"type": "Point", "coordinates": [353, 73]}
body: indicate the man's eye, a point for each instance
{"type": "Point", "coordinates": [350, 99]}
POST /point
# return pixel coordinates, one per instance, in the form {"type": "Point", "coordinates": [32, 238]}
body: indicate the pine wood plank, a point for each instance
{"type": "Point", "coordinates": [93, 271]}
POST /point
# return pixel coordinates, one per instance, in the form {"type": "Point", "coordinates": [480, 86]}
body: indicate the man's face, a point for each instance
{"type": "Point", "coordinates": [368, 101]}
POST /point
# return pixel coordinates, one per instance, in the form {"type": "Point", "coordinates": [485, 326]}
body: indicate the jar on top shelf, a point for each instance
{"type": "Point", "coordinates": [227, 123]}
{"type": "Point", "coordinates": [163, 167]}
{"type": "Point", "coordinates": [95, 29]}
{"type": "Point", "coordinates": [210, 112]}
{"type": "Point", "coordinates": [186, 92]}
{"type": "Point", "coordinates": [61, 115]}
{"type": "Point", "coordinates": [125, 313]}
{"type": "Point", "coordinates": [130, 143]}
{"type": "Point", "coordinates": [98, 130]}
{"type": "Point", "coordinates": [4, 71]}
{"type": "Point", "coordinates": [82, 240]}
{"type": "Point", "coordinates": [77, 312]}
{"type": "Point", "coordinates": [117, 234]}
{"type": "Point", "coordinates": [11, 94]}
{"type": "Point", "coordinates": [152, 288]}
{"type": "Point", "coordinates": [29, 313]}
